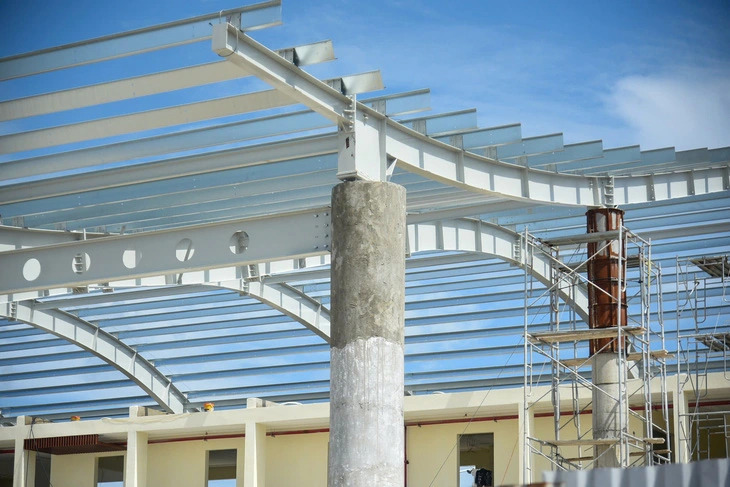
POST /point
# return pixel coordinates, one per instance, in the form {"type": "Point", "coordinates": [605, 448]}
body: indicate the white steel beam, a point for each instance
{"type": "Point", "coordinates": [366, 136]}
{"type": "Point", "coordinates": [149, 84]}
{"type": "Point", "coordinates": [14, 238]}
{"type": "Point", "coordinates": [290, 301]}
{"type": "Point", "coordinates": [112, 295]}
{"type": "Point", "coordinates": [467, 235]}
{"type": "Point", "coordinates": [196, 138]}
{"type": "Point", "coordinates": [172, 168]}
{"type": "Point", "coordinates": [166, 117]}
{"type": "Point", "coordinates": [103, 345]}
{"type": "Point", "coordinates": [284, 76]}
{"type": "Point", "coordinates": [147, 39]}
{"type": "Point", "coordinates": [167, 252]}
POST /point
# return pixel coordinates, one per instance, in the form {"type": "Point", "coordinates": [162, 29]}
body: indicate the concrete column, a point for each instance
{"type": "Point", "coordinates": [608, 413]}
{"type": "Point", "coordinates": [525, 426]}
{"type": "Point", "coordinates": [23, 461]}
{"type": "Point", "coordinates": [682, 434]}
{"type": "Point", "coordinates": [254, 469]}
{"type": "Point", "coordinates": [135, 467]}
{"type": "Point", "coordinates": [366, 355]}
{"type": "Point", "coordinates": [607, 309]}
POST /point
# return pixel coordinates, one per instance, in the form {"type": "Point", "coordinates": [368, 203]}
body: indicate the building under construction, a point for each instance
{"type": "Point", "coordinates": [313, 285]}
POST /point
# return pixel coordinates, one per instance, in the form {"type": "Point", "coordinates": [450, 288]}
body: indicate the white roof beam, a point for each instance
{"type": "Point", "coordinates": [401, 103]}
{"type": "Point", "coordinates": [193, 139]}
{"type": "Point", "coordinates": [15, 238]}
{"type": "Point", "coordinates": [147, 39]}
{"type": "Point", "coordinates": [172, 168]}
{"type": "Point", "coordinates": [610, 157]}
{"type": "Point", "coordinates": [571, 152]}
{"type": "Point", "coordinates": [296, 84]}
{"type": "Point", "coordinates": [165, 117]}
{"type": "Point", "coordinates": [149, 84]}
{"type": "Point", "coordinates": [103, 345]}
{"type": "Point", "coordinates": [482, 138]}
{"type": "Point", "coordinates": [190, 251]}
{"type": "Point", "coordinates": [114, 295]}
{"type": "Point", "coordinates": [486, 238]}
{"type": "Point", "coordinates": [442, 162]}
{"type": "Point", "coordinates": [290, 301]}
{"type": "Point", "coordinates": [443, 123]}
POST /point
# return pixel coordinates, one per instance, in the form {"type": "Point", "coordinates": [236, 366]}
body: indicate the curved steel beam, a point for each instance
{"type": "Point", "coordinates": [476, 236]}
{"type": "Point", "coordinates": [461, 235]}
{"type": "Point", "coordinates": [103, 345]}
{"type": "Point", "coordinates": [369, 142]}
{"type": "Point", "coordinates": [292, 302]}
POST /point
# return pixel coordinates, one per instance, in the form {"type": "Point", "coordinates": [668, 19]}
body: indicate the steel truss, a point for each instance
{"type": "Point", "coordinates": [557, 366]}
{"type": "Point", "coordinates": [703, 346]}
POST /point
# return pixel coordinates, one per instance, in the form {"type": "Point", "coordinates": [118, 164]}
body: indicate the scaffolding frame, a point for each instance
{"type": "Point", "coordinates": [702, 347]}
{"type": "Point", "coordinates": [644, 331]}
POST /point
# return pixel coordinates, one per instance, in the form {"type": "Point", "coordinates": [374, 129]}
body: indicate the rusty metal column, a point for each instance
{"type": "Point", "coordinates": [607, 309]}
{"type": "Point", "coordinates": [366, 355]}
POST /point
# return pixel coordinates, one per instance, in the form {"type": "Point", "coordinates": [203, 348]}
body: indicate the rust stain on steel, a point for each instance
{"type": "Point", "coordinates": [607, 273]}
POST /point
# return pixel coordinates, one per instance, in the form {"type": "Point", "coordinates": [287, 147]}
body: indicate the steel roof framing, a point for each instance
{"type": "Point", "coordinates": [192, 237]}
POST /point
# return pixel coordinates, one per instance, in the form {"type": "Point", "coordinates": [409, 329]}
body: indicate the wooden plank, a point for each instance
{"type": "Point", "coordinates": [632, 454]}
{"type": "Point", "coordinates": [589, 334]}
{"type": "Point", "coordinates": [632, 357]}
{"type": "Point", "coordinates": [601, 441]}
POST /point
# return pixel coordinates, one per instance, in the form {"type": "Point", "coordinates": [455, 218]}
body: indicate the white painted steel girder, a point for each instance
{"type": "Point", "coordinates": [166, 117]}
{"type": "Point", "coordinates": [250, 17]}
{"type": "Point", "coordinates": [195, 138]}
{"type": "Point", "coordinates": [149, 84]}
{"type": "Point", "coordinates": [162, 253]}
{"type": "Point", "coordinates": [293, 303]}
{"type": "Point", "coordinates": [103, 345]}
{"type": "Point", "coordinates": [298, 85]}
{"type": "Point", "coordinates": [477, 236]}
{"type": "Point", "coordinates": [15, 238]}
{"type": "Point", "coordinates": [171, 168]}
{"type": "Point", "coordinates": [369, 142]}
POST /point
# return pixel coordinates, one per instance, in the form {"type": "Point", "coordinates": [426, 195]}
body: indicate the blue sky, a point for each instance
{"type": "Point", "coordinates": [649, 73]}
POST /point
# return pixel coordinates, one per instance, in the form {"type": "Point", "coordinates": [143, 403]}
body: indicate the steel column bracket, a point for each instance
{"type": "Point", "coordinates": [361, 146]}
{"type": "Point", "coordinates": [608, 191]}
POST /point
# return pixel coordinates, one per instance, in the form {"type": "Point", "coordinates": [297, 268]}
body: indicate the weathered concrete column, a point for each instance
{"type": "Point", "coordinates": [607, 309]}
{"type": "Point", "coordinates": [608, 412]}
{"type": "Point", "coordinates": [366, 355]}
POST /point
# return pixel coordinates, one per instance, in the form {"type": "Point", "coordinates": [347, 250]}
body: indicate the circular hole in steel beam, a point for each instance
{"type": "Point", "coordinates": [184, 250]}
{"type": "Point", "coordinates": [81, 263]}
{"type": "Point", "coordinates": [238, 242]}
{"type": "Point", "coordinates": [31, 269]}
{"type": "Point", "coordinates": [131, 258]}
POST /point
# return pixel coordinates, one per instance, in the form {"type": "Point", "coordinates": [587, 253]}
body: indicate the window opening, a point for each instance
{"type": "Point", "coordinates": [476, 460]}
{"type": "Point", "coordinates": [6, 469]}
{"type": "Point", "coordinates": [42, 469]}
{"type": "Point", "coordinates": [221, 468]}
{"type": "Point", "coordinates": [110, 471]}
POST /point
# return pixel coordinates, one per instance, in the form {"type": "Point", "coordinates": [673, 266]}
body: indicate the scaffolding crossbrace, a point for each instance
{"type": "Point", "coordinates": [703, 346]}
{"type": "Point", "coordinates": [557, 361]}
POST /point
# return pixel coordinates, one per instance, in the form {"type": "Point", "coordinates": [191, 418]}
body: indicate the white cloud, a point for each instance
{"type": "Point", "coordinates": [687, 110]}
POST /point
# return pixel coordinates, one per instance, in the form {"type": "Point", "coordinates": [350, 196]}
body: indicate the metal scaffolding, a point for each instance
{"type": "Point", "coordinates": [703, 346]}
{"type": "Point", "coordinates": [558, 358]}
